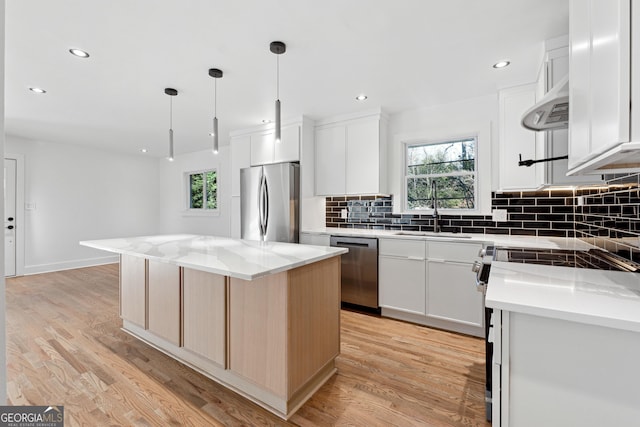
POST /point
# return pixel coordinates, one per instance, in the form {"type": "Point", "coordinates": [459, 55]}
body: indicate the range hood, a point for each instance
{"type": "Point", "coordinates": [552, 111]}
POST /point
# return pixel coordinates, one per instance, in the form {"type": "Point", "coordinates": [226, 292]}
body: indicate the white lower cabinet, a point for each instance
{"type": "Point", "coordinates": [554, 372]}
{"type": "Point", "coordinates": [452, 295]}
{"type": "Point", "coordinates": [402, 283]}
{"type": "Point", "coordinates": [430, 283]}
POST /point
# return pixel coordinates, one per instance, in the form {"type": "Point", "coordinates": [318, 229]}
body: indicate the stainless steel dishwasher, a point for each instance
{"type": "Point", "coordinates": [359, 270]}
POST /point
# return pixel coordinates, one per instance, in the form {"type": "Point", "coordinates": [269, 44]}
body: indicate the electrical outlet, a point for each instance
{"type": "Point", "coordinates": [343, 214]}
{"type": "Point", "coordinates": [499, 215]}
{"type": "Point", "coordinates": [30, 206]}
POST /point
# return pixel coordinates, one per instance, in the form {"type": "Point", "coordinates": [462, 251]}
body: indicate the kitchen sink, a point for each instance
{"type": "Point", "coordinates": [433, 234]}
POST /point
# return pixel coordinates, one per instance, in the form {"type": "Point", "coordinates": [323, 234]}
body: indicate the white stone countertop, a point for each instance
{"type": "Point", "coordinates": [243, 259]}
{"type": "Point", "coordinates": [597, 297]}
{"type": "Point", "coordinates": [501, 240]}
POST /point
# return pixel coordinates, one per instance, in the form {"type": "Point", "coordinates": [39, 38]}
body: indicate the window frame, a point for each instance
{"type": "Point", "coordinates": [406, 176]}
{"type": "Point", "coordinates": [204, 211]}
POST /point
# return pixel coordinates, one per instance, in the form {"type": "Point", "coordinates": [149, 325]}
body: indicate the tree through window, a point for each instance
{"type": "Point", "coordinates": [451, 164]}
{"type": "Point", "coordinates": [203, 190]}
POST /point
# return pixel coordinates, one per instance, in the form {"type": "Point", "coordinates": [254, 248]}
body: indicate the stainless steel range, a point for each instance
{"type": "Point", "coordinates": [597, 259]}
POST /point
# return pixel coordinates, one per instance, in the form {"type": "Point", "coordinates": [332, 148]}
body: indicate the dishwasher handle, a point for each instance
{"type": "Point", "coordinates": [354, 242]}
{"type": "Point", "coordinates": [347, 245]}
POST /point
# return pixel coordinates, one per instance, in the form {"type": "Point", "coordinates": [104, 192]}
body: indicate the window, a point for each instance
{"type": "Point", "coordinates": [451, 165]}
{"type": "Point", "coordinates": [203, 190]}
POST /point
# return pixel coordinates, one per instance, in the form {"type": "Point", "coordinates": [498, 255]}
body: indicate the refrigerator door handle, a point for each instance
{"type": "Point", "coordinates": [261, 206]}
{"type": "Point", "coordinates": [266, 205]}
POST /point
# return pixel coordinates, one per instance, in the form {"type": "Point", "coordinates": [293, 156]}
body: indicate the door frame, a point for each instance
{"type": "Point", "coordinates": [20, 217]}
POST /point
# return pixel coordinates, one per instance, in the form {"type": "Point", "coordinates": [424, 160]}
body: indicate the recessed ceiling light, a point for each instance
{"type": "Point", "coordinates": [501, 64]}
{"type": "Point", "coordinates": [361, 97]}
{"type": "Point", "coordinates": [37, 90]}
{"type": "Point", "coordinates": [143, 150]}
{"type": "Point", "coordinates": [79, 53]}
{"type": "Point", "coordinates": [266, 121]}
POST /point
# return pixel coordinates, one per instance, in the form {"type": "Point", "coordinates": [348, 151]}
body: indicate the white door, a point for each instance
{"type": "Point", "coordinates": [10, 217]}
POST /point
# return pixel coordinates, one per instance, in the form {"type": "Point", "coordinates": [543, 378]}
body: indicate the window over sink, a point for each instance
{"type": "Point", "coordinates": [451, 165]}
{"type": "Point", "coordinates": [202, 191]}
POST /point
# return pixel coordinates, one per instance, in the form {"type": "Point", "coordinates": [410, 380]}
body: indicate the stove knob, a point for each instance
{"type": "Point", "coordinates": [476, 266]}
{"type": "Point", "coordinates": [482, 252]}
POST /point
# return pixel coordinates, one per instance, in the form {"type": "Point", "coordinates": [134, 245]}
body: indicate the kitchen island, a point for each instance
{"type": "Point", "coordinates": [261, 318]}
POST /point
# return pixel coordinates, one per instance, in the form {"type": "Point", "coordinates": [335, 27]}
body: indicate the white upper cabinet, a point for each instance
{"type": "Point", "coordinates": [351, 156]}
{"type": "Point", "coordinates": [330, 160]}
{"type": "Point", "coordinates": [599, 88]}
{"type": "Point", "coordinates": [264, 149]}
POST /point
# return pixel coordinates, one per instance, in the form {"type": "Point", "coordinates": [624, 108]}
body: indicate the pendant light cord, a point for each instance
{"type": "Point", "coordinates": [215, 97]}
{"type": "Point", "coordinates": [277, 76]}
{"type": "Point", "coordinates": [171, 112]}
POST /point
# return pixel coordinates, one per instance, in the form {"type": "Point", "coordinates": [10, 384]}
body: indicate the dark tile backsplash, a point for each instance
{"type": "Point", "coordinates": [527, 216]}
{"type": "Point", "coordinates": [607, 216]}
{"type": "Point", "coordinates": [610, 216]}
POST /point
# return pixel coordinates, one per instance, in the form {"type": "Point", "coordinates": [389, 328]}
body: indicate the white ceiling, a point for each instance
{"type": "Point", "coordinates": [403, 54]}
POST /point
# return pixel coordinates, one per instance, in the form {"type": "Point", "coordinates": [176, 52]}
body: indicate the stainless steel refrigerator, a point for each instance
{"type": "Point", "coordinates": [269, 202]}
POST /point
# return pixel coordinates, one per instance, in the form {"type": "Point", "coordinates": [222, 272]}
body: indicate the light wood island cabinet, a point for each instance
{"type": "Point", "coordinates": [164, 300]}
{"type": "Point", "coordinates": [133, 289]}
{"type": "Point", "coordinates": [273, 339]}
{"type": "Point", "coordinates": [204, 314]}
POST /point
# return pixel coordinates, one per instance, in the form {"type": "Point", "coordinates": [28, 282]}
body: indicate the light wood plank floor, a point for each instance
{"type": "Point", "coordinates": [65, 347]}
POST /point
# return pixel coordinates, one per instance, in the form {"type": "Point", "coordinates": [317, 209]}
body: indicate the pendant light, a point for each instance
{"type": "Point", "coordinates": [278, 48]}
{"type": "Point", "coordinates": [171, 92]}
{"type": "Point", "coordinates": [216, 74]}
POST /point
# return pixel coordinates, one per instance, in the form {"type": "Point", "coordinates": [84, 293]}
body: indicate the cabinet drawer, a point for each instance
{"type": "Point", "coordinates": [402, 248]}
{"type": "Point", "coordinates": [454, 251]}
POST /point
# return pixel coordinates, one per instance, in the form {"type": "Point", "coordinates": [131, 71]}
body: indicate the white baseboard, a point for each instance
{"type": "Point", "coordinates": [69, 265]}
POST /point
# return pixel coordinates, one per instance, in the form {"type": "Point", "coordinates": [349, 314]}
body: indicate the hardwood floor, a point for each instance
{"type": "Point", "coordinates": [65, 346]}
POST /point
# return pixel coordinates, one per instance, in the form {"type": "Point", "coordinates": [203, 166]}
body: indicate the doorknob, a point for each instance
{"type": "Point", "coordinates": [10, 218]}
{"type": "Point", "coordinates": [10, 227]}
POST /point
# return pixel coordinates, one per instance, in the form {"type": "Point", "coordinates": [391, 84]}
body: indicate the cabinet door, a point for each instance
{"type": "Point", "coordinates": [579, 82]}
{"type": "Point", "coordinates": [402, 284]}
{"type": "Point", "coordinates": [240, 158]}
{"type": "Point", "coordinates": [610, 71]}
{"type": "Point", "coordinates": [515, 140]}
{"type": "Point", "coordinates": [262, 148]}
{"type": "Point", "coordinates": [330, 161]}
{"type": "Point", "coordinates": [133, 290]}
{"type": "Point", "coordinates": [204, 314]}
{"type": "Point", "coordinates": [363, 157]}
{"type": "Point", "coordinates": [288, 150]}
{"type": "Point", "coordinates": [451, 293]}
{"type": "Point", "coordinates": [164, 300]}
{"type": "Point", "coordinates": [258, 331]}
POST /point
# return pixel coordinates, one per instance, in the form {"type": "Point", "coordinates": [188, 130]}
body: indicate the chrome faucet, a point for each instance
{"type": "Point", "coordinates": [434, 202]}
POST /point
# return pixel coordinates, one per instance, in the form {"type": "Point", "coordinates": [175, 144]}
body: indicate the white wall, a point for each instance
{"type": "Point", "coordinates": [173, 197]}
{"type": "Point", "coordinates": [82, 194]}
{"type": "Point", "coordinates": [477, 115]}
